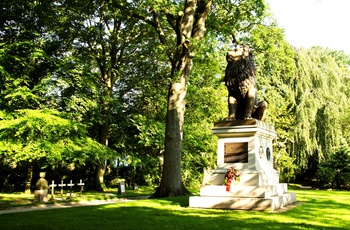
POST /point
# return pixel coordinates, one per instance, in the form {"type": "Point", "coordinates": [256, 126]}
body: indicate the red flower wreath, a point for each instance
{"type": "Point", "coordinates": [231, 175]}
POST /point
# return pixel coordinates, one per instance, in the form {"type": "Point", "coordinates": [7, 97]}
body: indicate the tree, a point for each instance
{"type": "Point", "coordinates": [32, 136]}
{"type": "Point", "coordinates": [318, 108]}
{"type": "Point", "coordinates": [23, 59]}
{"type": "Point", "coordinates": [180, 26]}
{"type": "Point", "coordinates": [104, 38]}
{"type": "Point", "coordinates": [298, 86]}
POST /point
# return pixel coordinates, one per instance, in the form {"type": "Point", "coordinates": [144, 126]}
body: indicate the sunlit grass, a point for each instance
{"type": "Point", "coordinates": [23, 199]}
{"type": "Point", "coordinates": [15, 199]}
{"type": "Point", "coordinates": [320, 209]}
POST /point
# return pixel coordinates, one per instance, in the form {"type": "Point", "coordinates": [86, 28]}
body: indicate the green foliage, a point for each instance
{"type": "Point", "coordinates": [345, 124]}
{"type": "Point", "coordinates": [199, 152]}
{"type": "Point", "coordinates": [275, 73]}
{"type": "Point", "coordinates": [343, 180]}
{"type": "Point", "coordinates": [326, 176]}
{"type": "Point", "coordinates": [151, 133]}
{"type": "Point", "coordinates": [335, 171]}
{"type": "Point", "coordinates": [235, 17]}
{"type": "Point", "coordinates": [274, 59]}
{"type": "Point", "coordinates": [308, 114]}
{"type": "Point", "coordinates": [24, 60]}
{"type": "Point", "coordinates": [103, 65]}
{"type": "Point", "coordinates": [286, 167]}
{"type": "Point", "coordinates": [319, 107]}
{"type": "Point", "coordinates": [33, 135]}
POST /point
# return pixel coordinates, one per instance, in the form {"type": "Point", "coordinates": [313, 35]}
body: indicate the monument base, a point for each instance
{"type": "Point", "coordinates": [40, 195]}
{"type": "Point", "coordinates": [246, 146]}
{"type": "Point", "coordinates": [243, 203]}
{"type": "Point", "coordinates": [269, 197]}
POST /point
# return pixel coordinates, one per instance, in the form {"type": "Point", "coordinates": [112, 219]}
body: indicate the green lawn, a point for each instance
{"type": "Point", "coordinates": [320, 210]}
{"type": "Point", "coordinates": [8, 200]}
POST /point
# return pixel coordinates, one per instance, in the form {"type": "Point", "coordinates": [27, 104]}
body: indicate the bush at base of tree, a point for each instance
{"type": "Point", "coordinates": [335, 172]}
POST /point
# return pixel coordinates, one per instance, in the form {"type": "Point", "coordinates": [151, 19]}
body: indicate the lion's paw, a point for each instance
{"type": "Point", "coordinates": [229, 119]}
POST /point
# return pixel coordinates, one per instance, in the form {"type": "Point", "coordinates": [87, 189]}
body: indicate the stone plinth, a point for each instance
{"type": "Point", "coordinates": [246, 146]}
{"type": "Point", "coordinates": [40, 195]}
{"type": "Point", "coordinates": [271, 203]}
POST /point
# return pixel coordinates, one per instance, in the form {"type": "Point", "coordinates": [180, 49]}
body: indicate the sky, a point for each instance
{"type": "Point", "coordinates": [308, 23]}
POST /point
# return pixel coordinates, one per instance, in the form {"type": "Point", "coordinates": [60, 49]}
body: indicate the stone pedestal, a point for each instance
{"type": "Point", "coordinates": [40, 195]}
{"type": "Point", "coordinates": [246, 146]}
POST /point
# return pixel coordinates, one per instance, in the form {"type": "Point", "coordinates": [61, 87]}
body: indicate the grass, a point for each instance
{"type": "Point", "coordinates": [22, 199]}
{"type": "Point", "coordinates": [320, 209]}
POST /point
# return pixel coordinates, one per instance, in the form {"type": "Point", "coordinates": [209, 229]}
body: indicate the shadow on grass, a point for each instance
{"type": "Point", "coordinates": [182, 201]}
{"type": "Point", "coordinates": [320, 210]}
{"type": "Point", "coordinates": [169, 214]}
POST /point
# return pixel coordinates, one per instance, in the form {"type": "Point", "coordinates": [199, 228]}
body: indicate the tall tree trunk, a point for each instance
{"type": "Point", "coordinates": [101, 165]}
{"type": "Point", "coordinates": [108, 68]}
{"type": "Point", "coordinates": [100, 169]}
{"type": "Point", "coordinates": [187, 24]}
{"type": "Point", "coordinates": [99, 176]}
{"type": "Point", "coordinates": [29, 179]}
{"type": "Point", "coordinates": [171, 182]}
{"type": "Point", "coordinates": [190, 24]}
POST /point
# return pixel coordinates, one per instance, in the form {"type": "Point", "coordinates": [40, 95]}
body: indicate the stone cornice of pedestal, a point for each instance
{"type": "Point", "coordinates": [243, 128]}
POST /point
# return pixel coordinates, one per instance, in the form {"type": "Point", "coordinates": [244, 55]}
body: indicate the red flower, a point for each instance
{"type": "Point", "coordinates": [231, 174]}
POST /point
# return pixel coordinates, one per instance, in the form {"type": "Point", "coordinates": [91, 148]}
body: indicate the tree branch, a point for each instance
{"type": "Point", "coordinates": [200, 18]}
{"type": "Point", "coordinates": [134, 14]}
{"type": "Point", "coordinates": [188, 19]}
{"type": "Point", "coordinates": [155, 24]}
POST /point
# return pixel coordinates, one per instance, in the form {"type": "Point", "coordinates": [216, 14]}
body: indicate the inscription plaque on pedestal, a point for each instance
{"type": "Point", "coordinates": [236, 152]}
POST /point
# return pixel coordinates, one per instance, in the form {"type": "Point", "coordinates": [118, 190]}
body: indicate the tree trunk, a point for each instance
{"type": "Point", "coordinates": [191, 25]}
{"type": "Point", "coordinates": [109, 80]}
{"type": "Point", "coordinates": [187, 24]}
{"type": "Point", "coordinates": [99, 177]}
{"type": "Point", "coordinates": [29, 179]}
{"type": "Point", "coordinates": [171, 182]}
{"type": "Point", "coordinates": [101, 166]}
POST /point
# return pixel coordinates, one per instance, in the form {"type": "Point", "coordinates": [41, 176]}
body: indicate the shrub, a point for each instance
{"type": "Point", "coordinates": [335, 172]}
{"type": "Point", "coordinates": [286, 167]}
{"type": "Point", "coordinates": [326, 177]}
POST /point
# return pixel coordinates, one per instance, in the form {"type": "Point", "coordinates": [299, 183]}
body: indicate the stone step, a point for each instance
{"type": "Point", "coordinates": [244, 191]}
{"type": "Point", "coordinates": [270, 203]}
{"type": "Point", "coordinates": [248, 177]}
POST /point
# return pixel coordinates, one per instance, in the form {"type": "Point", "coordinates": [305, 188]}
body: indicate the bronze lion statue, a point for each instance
{"type": "Point", "coordinates": [240, 81]}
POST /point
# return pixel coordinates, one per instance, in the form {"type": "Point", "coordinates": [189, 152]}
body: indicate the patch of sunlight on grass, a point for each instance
{"type": "Point", "coordinates": [320, 209]}
{"type": "Point", "coordinates": [15, 199]}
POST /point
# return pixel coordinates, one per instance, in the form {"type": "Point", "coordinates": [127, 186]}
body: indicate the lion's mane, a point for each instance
{"type": "Point", "coordinates": [240, 71]}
